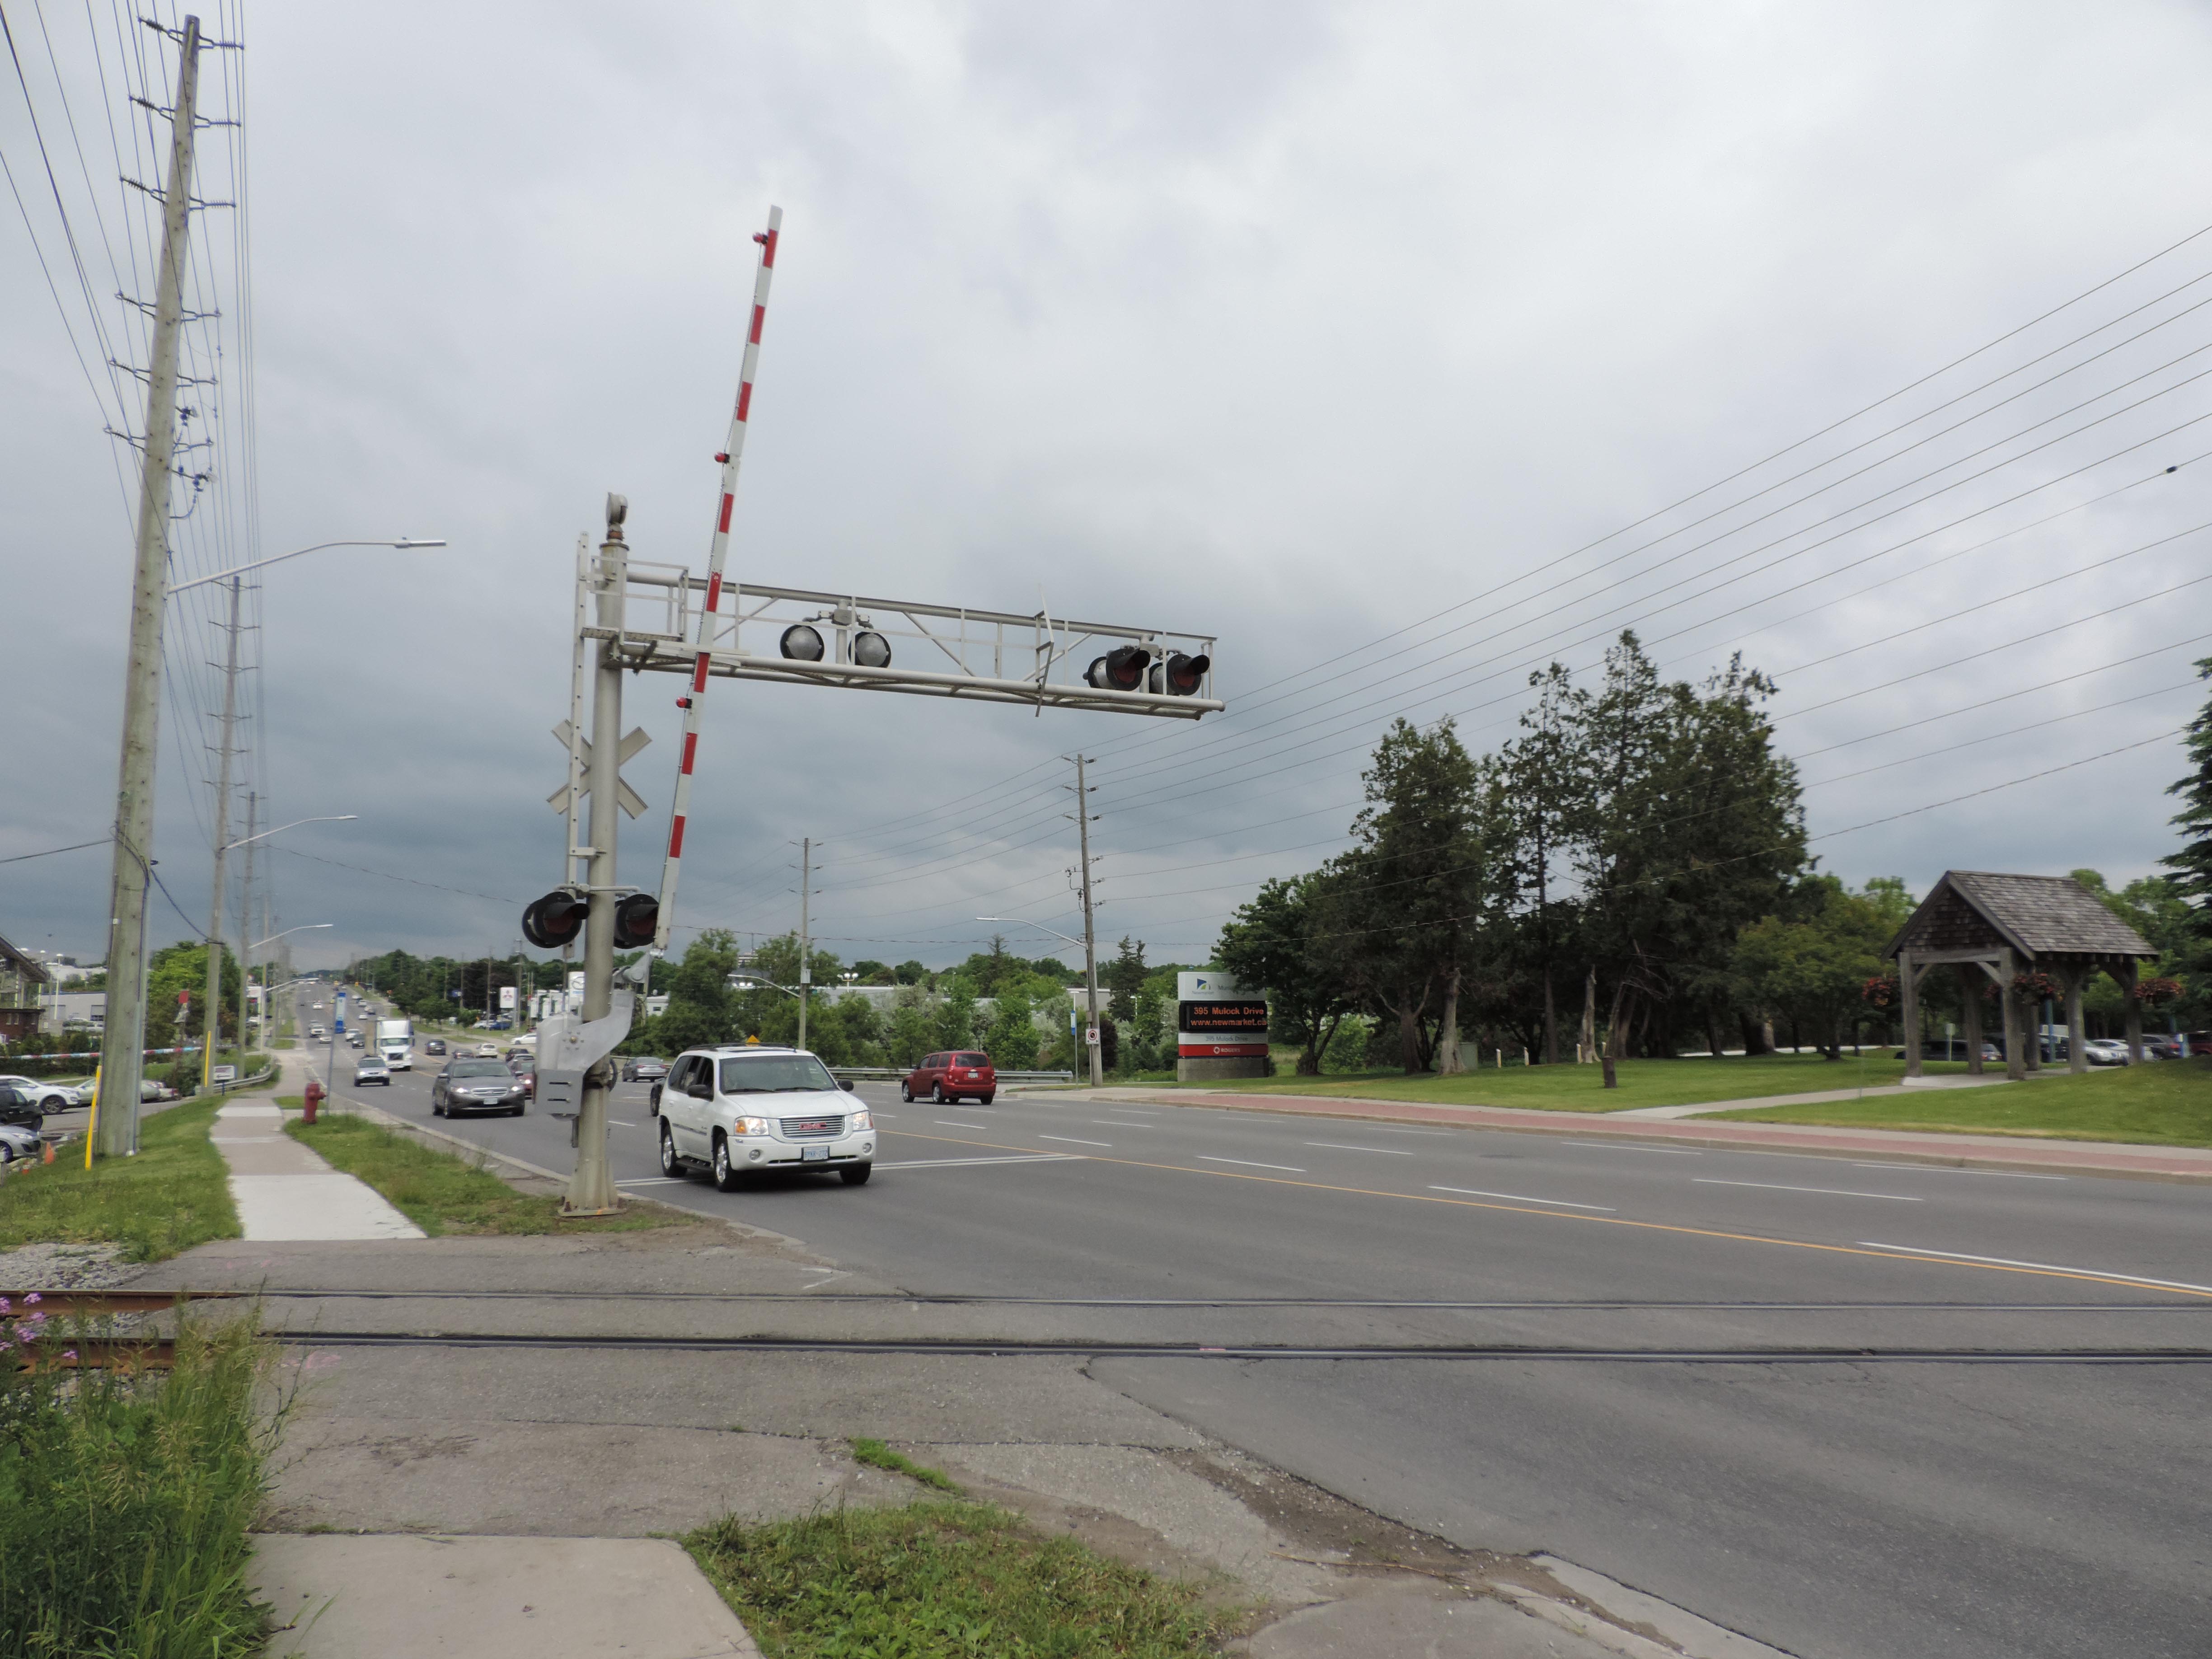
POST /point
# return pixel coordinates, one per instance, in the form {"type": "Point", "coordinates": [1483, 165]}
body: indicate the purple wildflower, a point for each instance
{"type": "Point", "coordinates": [33, 1300]}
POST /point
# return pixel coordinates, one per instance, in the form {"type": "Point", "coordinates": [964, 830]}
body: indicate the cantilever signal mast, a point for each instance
{"type": "Point", "coordinates": [718, 551]}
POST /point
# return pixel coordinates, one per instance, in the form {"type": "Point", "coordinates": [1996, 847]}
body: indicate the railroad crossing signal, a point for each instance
{"type": "Point", "coordinates": [632, 802]}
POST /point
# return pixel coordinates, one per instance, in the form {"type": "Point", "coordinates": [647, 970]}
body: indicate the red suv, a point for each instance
{"type": "Point", "coordinates": [947, 1076]}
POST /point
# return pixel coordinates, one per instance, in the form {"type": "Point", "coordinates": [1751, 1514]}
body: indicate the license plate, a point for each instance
{"type": "Point", "coordinates": [812, 1154]}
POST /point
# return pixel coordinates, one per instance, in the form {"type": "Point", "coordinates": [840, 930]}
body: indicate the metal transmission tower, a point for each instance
{"type": "Point", "coordinates": [662, 618]}
{"type": "Point", "coordinates": [122, 1045]}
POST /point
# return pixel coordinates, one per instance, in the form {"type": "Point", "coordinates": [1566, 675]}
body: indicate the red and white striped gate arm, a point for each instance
{"type": "Point", "coordinates": [732, 454]}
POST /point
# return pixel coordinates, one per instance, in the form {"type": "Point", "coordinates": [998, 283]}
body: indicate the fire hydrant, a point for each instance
{"type": "Point", "coordinates": [312, 1099]}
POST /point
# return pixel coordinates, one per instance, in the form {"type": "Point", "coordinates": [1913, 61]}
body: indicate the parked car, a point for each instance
{"type": "Point", "coordinates": [371, 1068]}
{"type": "Point", "coordinates": [643, 1069]}
{"type": "Point", "coordinates": [2161, 1048]}
{"type": "Point", "coordinates": [19, 1108]}
{"type": "Point", "coordinates": [471, 1083]}
{"type": "Point", "coordinates": [152, 1093]}
{"type": "Point", "coordinates": [16, 1141]}
{"type": "Point", "coordinates": [435, 1046]}
{"type": "Point", "coordinates": [950, 1076]}
{"type": "Point", "coordinates": [50, 1097]}
{"type": "Point", "coordinates": [1954, 1048]}
{"type": "Point", "coordinates": [2104, 1051]}
{"type": "Point", "coordinates": [740, 1110]}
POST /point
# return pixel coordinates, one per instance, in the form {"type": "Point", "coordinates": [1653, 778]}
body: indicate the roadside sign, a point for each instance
{"type": "Point", "coordinates": [506, 996]}
{"type": "Point", "coordinates": [224, 1074]}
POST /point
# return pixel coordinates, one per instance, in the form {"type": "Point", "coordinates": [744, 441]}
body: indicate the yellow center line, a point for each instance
{"type": "Point", "coordinates": [1561, 1215]}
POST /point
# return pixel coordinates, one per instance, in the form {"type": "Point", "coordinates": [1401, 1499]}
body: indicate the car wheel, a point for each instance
{"type": "Point", "coordinates": [726, 1178]}
{"type": "Point", "coordinates": [906, 1092]}
{"type": "Point", "coordinates": [670, 1165]}
{"type": "Point", "coordinates": [437, 1107]}
{"type": "Point", "coordinates": [985, 1100]}
{"type": "Point", "coordinates": [856, 1174]}
{"type": "Point", "coordinates": [941, 1096]}
{"type": "Point", "coordinates": [518, 1111]}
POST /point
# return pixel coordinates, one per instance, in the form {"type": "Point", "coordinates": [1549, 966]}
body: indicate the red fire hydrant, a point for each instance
{"type": "Point", "coordinates": [312, 1099]}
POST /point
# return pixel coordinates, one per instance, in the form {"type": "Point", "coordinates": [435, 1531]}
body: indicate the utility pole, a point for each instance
{"type": "Point", "coordinates": [1089, 936]}
{"type": "Point", "coordinates": [121, 1045]}
{"type": "Point", "coordinates": [245, 918]}
{"type": "Point", "coordinates": [222, 853]}
{"type": "Point", "coordinates": [806, 938]}
{"type": "Point", "coordinates": [591, 1188]}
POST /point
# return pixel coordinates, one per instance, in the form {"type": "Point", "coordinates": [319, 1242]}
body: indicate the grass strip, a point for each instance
{"type": "Point", "coordinates": [442, 1193]}
{"type": "Point", "coordinates": [1570, 1088]}
{"type": "Point", "coordinates": [125, 1501]}
{"type": "Point", "coordinates": [2158, 1103]}
{"type": "Point", "coordinates": [877, 1454]}
{"type": "Point", "coordinates": [944, 1580]}
{"type": "Point", "coordinates": [174, 1194]}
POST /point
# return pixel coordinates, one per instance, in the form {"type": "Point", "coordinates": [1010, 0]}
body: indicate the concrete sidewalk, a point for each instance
{"type": "Point", "coordinates": [284, 1191]}
{"type": "Point", "coordinates": [2115, 1159]}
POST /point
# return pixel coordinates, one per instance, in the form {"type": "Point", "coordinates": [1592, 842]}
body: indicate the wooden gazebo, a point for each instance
{"type": "Point", "coordinates": [2004, 927]}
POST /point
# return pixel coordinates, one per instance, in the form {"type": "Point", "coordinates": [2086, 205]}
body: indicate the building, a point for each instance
{"type": "Point", "coordinates": [23, 982]}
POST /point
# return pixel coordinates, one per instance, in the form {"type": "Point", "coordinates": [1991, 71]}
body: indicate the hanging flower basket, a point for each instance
{"type": "Point", "coordinates": [2037, 985]}
{"type": "Point", "coordinates": [2157, 993]}
{"type": "Point", "coordinates": [1880, 992]}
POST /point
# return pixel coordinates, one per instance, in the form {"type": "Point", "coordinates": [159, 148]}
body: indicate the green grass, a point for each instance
{"type": "Point", "coordinates": [877, 1454]}
{"type": "Point", "coordinates": [125, 1501]}
{"type": "Point", "coordinates": [174, 1194]}
{"type": "Point", "coordinates": [944, 1580]}
{"type": "Point", "coordinates": [1581, 1088]}
{"type": "Point", "coordinates": [2161, 1103]}
{"type": "Point", "coordinates": [441, 1193]}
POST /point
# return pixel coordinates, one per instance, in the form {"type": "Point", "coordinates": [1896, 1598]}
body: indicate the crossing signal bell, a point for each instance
{"type": "Point", "coordinates": [554, 920]}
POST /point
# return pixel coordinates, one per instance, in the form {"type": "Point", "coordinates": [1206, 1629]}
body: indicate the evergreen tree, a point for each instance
{"type": "Point", "coordinates": [2192, 864]}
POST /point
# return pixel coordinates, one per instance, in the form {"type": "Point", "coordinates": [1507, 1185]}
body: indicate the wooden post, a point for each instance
{"type": "Point", "coordinates": [1971, 980]}
{"type": "Point", "coordinates": [2015, 1049]}
{"type": "Point", "coordinates": [2127, 977]}
{"type": "Point", "coordinates": [1908, 986]}
{"type": "Point", "coordinates": [2076, 1060]}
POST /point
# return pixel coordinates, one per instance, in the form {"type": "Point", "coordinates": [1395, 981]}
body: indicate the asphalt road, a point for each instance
{"type": "Point", "coordinates": [1862, 1505]}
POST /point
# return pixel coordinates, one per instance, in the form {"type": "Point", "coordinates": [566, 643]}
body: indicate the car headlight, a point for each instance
{"type": "Point", "coordinates": [860, 1120]}
{"type": "Point", "coordinates": [751, 1125]}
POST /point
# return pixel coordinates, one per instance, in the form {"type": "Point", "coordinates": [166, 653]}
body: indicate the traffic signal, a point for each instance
{"type": "Point", "coordinates": [554, 920]}
{"type": "Point", "coordinates": [800, 643]}
{"type": "Point", "coordinates": [1121, 669]}
{"type": "Point", "coordinates": [1180, 676]}
{"type": "Point", "coordinates": [635, 918]}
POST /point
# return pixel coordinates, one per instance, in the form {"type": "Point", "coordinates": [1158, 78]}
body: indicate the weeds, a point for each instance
{"type": "Point", "coordinates": [877, 1454]}
{"type": "Point", "coordinates": [174, 1194]}
{"type": "Point", "coordinates": [938, 1580]}
{"type": "Point", "coordinates": [124, 1500]}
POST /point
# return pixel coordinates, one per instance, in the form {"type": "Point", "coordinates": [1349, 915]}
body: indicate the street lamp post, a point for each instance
{"type": "Point", "coordinates": [123, 1044]}
{"type": "Point", "coordinates": [1091, 981]}
{"type": "Point", "coordinates": [215, 926]}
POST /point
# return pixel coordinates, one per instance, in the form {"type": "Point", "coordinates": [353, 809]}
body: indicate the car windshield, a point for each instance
{"type": "Point", "coordinates": [971, 1060]}
{"type": "Point", "coordinates": [478, 1068]}
{"type": "Point", "coordinates": [776, 1074]}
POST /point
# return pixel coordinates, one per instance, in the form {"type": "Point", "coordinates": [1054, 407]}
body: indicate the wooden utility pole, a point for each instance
{"type": "Point", "coordinates": [123, 1044]}
{"type": "Point", "coordinates": [1091, 1039]}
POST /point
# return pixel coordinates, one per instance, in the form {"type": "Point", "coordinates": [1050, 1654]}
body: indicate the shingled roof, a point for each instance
{"type": "Point", "coordinates": [2041, 916]}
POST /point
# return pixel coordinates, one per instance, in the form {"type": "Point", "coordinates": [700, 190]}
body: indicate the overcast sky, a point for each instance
{"type": "Point", "coordinates": [1293, 324]}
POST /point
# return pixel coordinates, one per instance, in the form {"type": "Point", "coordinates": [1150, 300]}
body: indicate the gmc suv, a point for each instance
{"type": "Point", "coordinates": [737, 1110]}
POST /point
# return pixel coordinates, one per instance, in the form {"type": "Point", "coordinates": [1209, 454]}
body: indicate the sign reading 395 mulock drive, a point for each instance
{"type": "Point", "coordinates": [1221, 1029]}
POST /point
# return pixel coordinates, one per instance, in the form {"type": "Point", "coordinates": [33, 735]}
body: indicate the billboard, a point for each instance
{"type": "Point", "coordinates": [506, 995]}
{"type": "Point", "coordinates": [1217, 1018]}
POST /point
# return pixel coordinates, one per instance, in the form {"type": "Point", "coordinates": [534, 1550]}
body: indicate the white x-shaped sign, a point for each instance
{"type": "Point", "coordinates": [632, 802]}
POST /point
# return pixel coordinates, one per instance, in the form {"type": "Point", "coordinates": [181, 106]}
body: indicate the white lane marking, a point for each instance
{"type": "Point", "coordinates": [1286, 1168]}
{"type": "Point", "coordinates": [970, 1163]}
{"type": "Point", "coordinates": [1389, 1129]}
{"type": "Point", "coordinates": [1118, 1123]}
{"type": "Point", "coordinates": [1624, 1146]}
{"type": "Point", "coordinates": [2041, 1267]}
{"type": "Point", "coordinates": [947, 1124]}
{"type": "Point", "coordinates": [656, 1181]}
{"type": "Point", "coordinates": [1338, 1147]}
{"type": "Point", "coordinates": [1522, 1198]}
{"type": "Point", "coordinates": [623, 1122]}
{"type": "Point", "coordinates": [1073, 1140]}
{"type": "Point", "coordinates": [1825, 1192]}
{"type": "Point", "coordinates": [1942, 1169]}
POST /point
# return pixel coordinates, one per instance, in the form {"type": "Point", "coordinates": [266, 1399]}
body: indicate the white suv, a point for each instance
{"type": "Point", "coordinates": [737, 1110]}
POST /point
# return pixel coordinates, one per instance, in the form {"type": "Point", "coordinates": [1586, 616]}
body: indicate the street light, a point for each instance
{"type": "Point", "coordinates": [1090, 1036]}
{"type": "Point", "coordinates": [232, 846]}
{"type": "Point", "coordinates": [405, 544]}
{"type": "Point", "coordinates": [215, 927]}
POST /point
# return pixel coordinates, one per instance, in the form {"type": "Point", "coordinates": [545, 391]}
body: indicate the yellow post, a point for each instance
{"type": "Point", "coordinates": [92, 1123]}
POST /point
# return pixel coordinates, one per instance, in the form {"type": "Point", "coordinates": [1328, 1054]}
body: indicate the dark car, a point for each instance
{"type": "Point", "coordinates": [953, 1075]}
{"type": "Point", "coordinates": [19, 1106]}
{"type": "Point", "coordinates": [643, 1069]}
{"type": "Point", "coordinates": [471, 1082]}
{"type": "Point", "coordinates": [526, 1068]}
{"type": "Point", "coordinates": [435, 1046]}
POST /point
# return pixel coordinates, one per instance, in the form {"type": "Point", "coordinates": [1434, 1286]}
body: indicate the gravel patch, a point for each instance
{"type": "Point", "coordinates": [66, 1267]}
